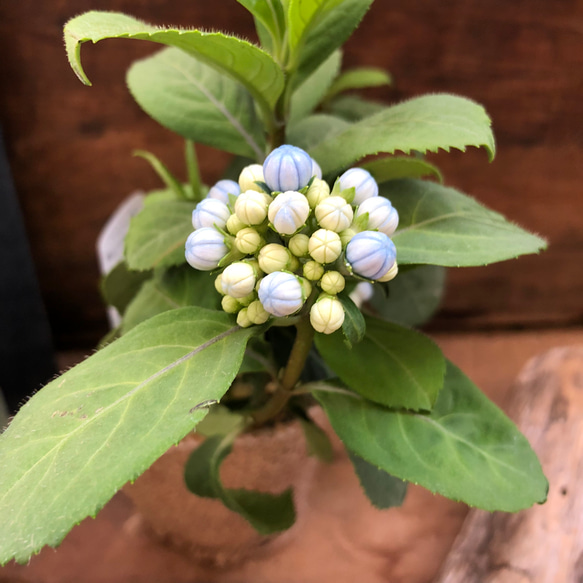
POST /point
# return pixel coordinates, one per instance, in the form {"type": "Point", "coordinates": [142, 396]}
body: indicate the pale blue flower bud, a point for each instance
{"type": "Point", "coordinates": [382, 216]}
{"type": "Point", "coordinates": [316, 170]}
{"type": "Point", "coordinates": [361, 293]}
{"type": "Point", "coordinates": [289, 212]}
{"type": "Point", "coordinates": [281, 293]}
{"type": "Point", "coordinates": [364, 184]}
{"type": "Point", "coordinates": [371, 254]}
{"type": "Point", "coordinates": [222, 189]}
{"type": "Point", "coordinates": [210, 212]}
{"type": "Point", "coordinates": [287, 168]}
{"type": "Point", "coordinates": [205, 248]}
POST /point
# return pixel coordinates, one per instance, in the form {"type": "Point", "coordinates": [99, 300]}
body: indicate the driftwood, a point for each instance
{"type": "Point", "coordinates": [543, 544]}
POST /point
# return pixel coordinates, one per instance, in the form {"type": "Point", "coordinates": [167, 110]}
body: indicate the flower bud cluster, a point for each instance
{"type": "Point", "coordinates": [285, 242]}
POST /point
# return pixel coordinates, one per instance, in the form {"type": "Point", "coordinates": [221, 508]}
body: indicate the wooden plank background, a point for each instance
{"type": "Point", "coordinates": [70, 146]}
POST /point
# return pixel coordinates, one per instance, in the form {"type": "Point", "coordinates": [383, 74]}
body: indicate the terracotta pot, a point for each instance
{"type": "Point", "coordinates": [269, 460]}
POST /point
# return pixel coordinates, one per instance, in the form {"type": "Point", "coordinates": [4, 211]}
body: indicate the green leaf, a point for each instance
{"type": "Point", "coordinates": [386, 169]}
{"type": "Point", "coordinates": [267, 513]}
{"type": "Point", "coordinates": [392, 365]}
{"type": "Point", "coordinates": [307, 97]}
{"type": "Point", "coordinates": [121, 284]}
{"type": "Point", "coordinates": [422, 124]}
{"type": "Point", "coordinates": [169, 180]}
{"type": "Point", "coordinates": [269, 18]}
{"type": "Point", "coordinates": [466, 449]}
{"type": "Point", "coordinates": [243, 61]}
{"type": "Point", "coordinates": [174, 288]}
{"type": "Point", "coordinates": [331, 24]}
{"type": "Point", "coordinates": [104, 422]}
{"type": "Point", "coordinates": [442, 226]}
{"type": "Point", "coordinates": [220, 421]}
{"type": "Point", "coordinates": [157, 234]}
{"type": "Point", "coordinates": [317, 441]}
{"type": "Point", "coordinates": [413, 296]}
{"type": "Point", "coordinates": [382, 489]}
{"type": "Point", "coordinates": [353, 108]}
{"type": "Point", "coordinates": [310, 131]}
{"type": "Point", "coordinates": [359, 78]}
{"type": "Point", "coordinates": [354, 326]}
{"type": "Point", "coordinates": [197, 102]}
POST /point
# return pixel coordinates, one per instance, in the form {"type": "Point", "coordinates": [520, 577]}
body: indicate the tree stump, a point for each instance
{"type": "Point", "coordinates": [543, 544]}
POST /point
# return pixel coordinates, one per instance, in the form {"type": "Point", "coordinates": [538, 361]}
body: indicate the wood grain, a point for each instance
{"type": "Point", "coordinates": [70, 146]}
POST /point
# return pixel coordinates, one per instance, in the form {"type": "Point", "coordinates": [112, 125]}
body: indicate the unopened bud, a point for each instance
{"type": "Point", "coordinates": [346, 236]}
{"type": "Point", "coordinates": [281, 293]}
{"type": "Point", "coordinates": [364, 184]}
{"type": "Point", "coordinates": [287, 168]}
{"type": "Point", "coordinates": [298, 245]}
{"type": "Point", "coordinates": [382, 216]}
{"type": "Point", "coordinates": [391, 274]}
{"type": "Point", "coordinates": [238, 279]}
{"type": "Point", "coordinates": [316, 170]}
{"type": "Point", "coordinates": [257, 313]}
{"type": "Point", "coordinates": [318, 191]}
{"type": "Point", "coordinates": [243, 319]}
{"type": "Point", "coordinates": [371, 254]}
{"type": "Point", "coordinates": [230, 305]}
{"type": "Point", "coordinates": [235, 224]}
{"type": "Point", "coordinates": [219, 283]}
{"type": "Point", "coordinates": [313, 270]}
{"type": "Point", "coordinates": [332, 282]}
{"type": "Point", "coordinates": [246, 300]}
{"type": "Point", "coordinates": [205, 248]}
{"type": "Point", "coordinates": [334, 214]}
{"type": "Point", "coordinates": [251, 207]}
{"type": "Point", "coordinates": [325, 246]}
{"type": "Point", "coordinates": [249, 176]}
{"type": "Point", "coordinates": [288, 212]}
{"type": "Point", "coordinates": [327, 315]}
{"type": "Point", "coordinates": [274, 257]}
{"type": "Point", "coordinates": [222, 189]}
{"type": "Point", "coordinates": [361, 293]}
{"type": "Point", "coordinates": [248, 241]}
{"type": "Point", "coordinates": [210, 212]}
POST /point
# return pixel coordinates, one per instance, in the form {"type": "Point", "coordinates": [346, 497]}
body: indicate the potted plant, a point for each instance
{"type": "Point", "coordinates": [277, 288]}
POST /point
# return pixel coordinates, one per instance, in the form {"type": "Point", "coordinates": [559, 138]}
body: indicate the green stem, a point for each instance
{"type": "Point", "coordinates": [291, 374]}
{"type": "Point", "coordinates": [192, 168]}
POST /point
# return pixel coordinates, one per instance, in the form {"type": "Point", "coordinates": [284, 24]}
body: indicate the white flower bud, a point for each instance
{"type": "Point", "coordinates": [281, 293]}
{"type": "Point", "coordinates": [327, 315]}
{"type": "Point", "coordinates": [205, 248]}
{"type": "Point", "coordinates": [210, 212]}
{"type": "Point", "coordinates": [243, 318]}
{"type": "Point", "coordinates": [288, 212]}
{"type": "Point", "coordinates": [361, 293]}
{"type": "Point", "coordinates": [334, 214]}
{"type": "Point", "coordinates": [230, 305]}
{"type": "Point", "coordinates": [316, 170]}
{"type": "Point", "coordinates": [313, 270]}
{"type": "Point", "coordinates": [274, 257]}
{"type": "Point", "coordinates": [234, 224]}
{"type": "Point", "coordinates": [287, 168]}
{"type": "Point", "coordinates": [382, 216]}
{"type": "Point", "coordinates": [298, 245]}
{"type": "Point", "coordinates": [251, 207]}
{"type": "Point", "coordinates": [364, 184]}
{"type": "Point", "coordinates": [249, 176]}
{"type": "Point", "coordinates": [318, 191]}
{"type": "Point", "coordinates": [222, 189]}
{"type": "Point", "coordinates": [238, 279]}
{"type": "Point", "coordinates": [248, 240]}
{"type": "Point", "coordinates": [257, 313]}
{"type": "Point", "coordinates": [325, 246]}
{"type": "Point", "coordinates": [371, 254]}
{"type": "Point", "coordinates": [391, 274]}
{"type": "Point", "coordinates": [332, 282]}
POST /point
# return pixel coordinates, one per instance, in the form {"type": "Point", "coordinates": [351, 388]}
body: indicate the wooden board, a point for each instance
{"type": "Point", "coordinates": [70, 146]}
